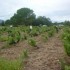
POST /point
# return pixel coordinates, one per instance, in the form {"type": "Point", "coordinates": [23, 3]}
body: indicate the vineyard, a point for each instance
{"type": "Point", "coordinates": [39, 48]}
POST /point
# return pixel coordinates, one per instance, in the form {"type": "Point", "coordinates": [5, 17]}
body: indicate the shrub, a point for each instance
{"type": "Point", "coordinates": [32, 42]}
{"type": "Point", "coordinates": [50, 33]}
{"type": "Point", "coordinates": [43, 29]}
{"type": "Point", "coordinates": [66, 41]}
{"type": "Point", "coordinates": [34, 33]}
{"type": "Point", "coordinates": [25, 37]}
{"type": "Point", "coordinates": [14, 37]}
{"type": "Point", "coordinates": [45, 38]}
{"type": "Point", "coordinates": [67, 47]}
{"type": "Point", "coordinates": [25, 54]}
{"type": "Point", "coordinates": [11, 40]}
{"type": "Point", "coordinates": [17, 37]}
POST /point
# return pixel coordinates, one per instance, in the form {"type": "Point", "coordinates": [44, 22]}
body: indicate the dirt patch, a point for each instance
{"type": "Point", "coordinates": [14, 51]}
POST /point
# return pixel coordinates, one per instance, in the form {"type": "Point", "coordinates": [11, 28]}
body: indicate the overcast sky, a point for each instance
{"type": "Point", "coordinates": [56, 10]}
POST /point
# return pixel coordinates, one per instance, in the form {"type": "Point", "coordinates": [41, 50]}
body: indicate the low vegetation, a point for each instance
{"type": "Point", "coordinates": [66, 42]}
{"type": "Point", "coordinates": [10, 65]}
{"type": "Point", "coordinates": [32, 42]}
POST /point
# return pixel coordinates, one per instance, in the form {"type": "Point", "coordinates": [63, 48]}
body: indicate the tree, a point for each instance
{"type": "Point", "coordinates": [42, 20]}
{"type": "Point", "coordinates": [24, 16]}
{"type": "Point", "coordinates": [67, 23]}
{"type": "Point", "coordinates": [2, 23]}
{"type": "Point", "coordinates": [7, 22]}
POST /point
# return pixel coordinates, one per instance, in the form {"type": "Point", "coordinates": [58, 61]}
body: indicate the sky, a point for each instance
{"type": "Point", "coordinates": [56, 10]}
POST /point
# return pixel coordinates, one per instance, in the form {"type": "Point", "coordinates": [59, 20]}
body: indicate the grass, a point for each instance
{"type": "Point", "coordinates": [13, 64]}
{"type": "Point", "coordinates": [67, 67]}
{"type": "Point", "coordinates": [64, 66]}
{"type": "Point", "coordinates": [3, 38]}
{"type": "Point", "coordinates": [10, 64]}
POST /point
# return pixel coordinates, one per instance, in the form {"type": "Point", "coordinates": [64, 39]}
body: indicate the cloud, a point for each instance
{"type": "Point", "coordinates": [57, 10]}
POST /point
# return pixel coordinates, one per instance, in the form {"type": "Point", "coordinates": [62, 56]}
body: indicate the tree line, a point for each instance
{"type": "Point", "coordinates": [26, 16]}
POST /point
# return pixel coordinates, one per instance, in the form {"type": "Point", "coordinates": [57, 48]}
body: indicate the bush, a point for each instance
{"type": "Point", "coordinates": [50, 33]}
{"type": "Point", "coordinates": [66, 41]}
{"type": "Point", "coordinates": [67, 47]}
{"type": "Point", "coordinates": [45, 38]}
{"type": "Point", "coordinates": [43, 29]}
{"type": "Point", "coordinates": [34, 33]}
{"type": "Point", "coordinates": [32, 42]}
{"type": "Point", "coordinates": [14, 37]}
{"type": "Point", "coordinates": [25, 54]}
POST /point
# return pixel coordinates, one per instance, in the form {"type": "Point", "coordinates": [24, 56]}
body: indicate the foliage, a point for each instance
{"type": "Point", "coordinates": [3, 38]}
{"type": "Point", "coordinates": [34, 33]}
{"type": "Point", "coordinates": [25, 54]}
{"type": "Point", "coordinates": [6, 64]}
{"type": "Point", "coordinates": [10, 65]}
{"type": "Point", "coordinates": [14, 36]}
{"type": "Point", "coordinates": [43, 29]}
{"type": "Point", "coordinates": [67, 23]}
{"type": "Point", "coordinates": [32, 42]}
{"type": "Point", "coordinates": [64, 65]}
{"type": "Point", "coordinates": [42, 20]}
{"type": "Point", "coordinates": [25, 37]}
{"type": "Point", "coordinates": [45, 37]}
{"type": "Point", "coordinates": [67, 67]}
{"type": "Point", "coordinates": [50, 33]}
{"type": "Point", "coordinates": [66, 40]}
{"type": "Point", "coordinates": [67, 47]}
{"type": "Point", "coordinates": [24, 16]}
